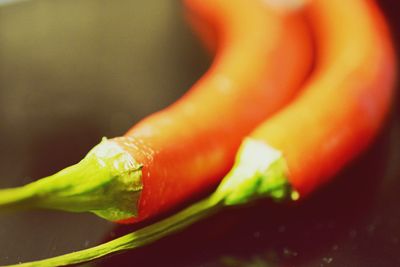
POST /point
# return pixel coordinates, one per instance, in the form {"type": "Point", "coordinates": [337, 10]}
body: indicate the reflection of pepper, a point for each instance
{"type": "Point", "coordinates": [263, 55]}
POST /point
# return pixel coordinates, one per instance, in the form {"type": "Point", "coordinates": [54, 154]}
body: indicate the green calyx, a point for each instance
{"type": "Point", "coordinates": [260, 171]}
{"type": "Point", "coordinates": [106, 182]}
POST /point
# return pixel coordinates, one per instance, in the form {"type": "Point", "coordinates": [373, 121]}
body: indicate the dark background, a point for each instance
{"type": "Point", "coordinates": [72, 71]}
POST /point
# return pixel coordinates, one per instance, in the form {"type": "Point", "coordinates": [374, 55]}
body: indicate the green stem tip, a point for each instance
{"type": "Point", "coordinates": [259, 171]}
{"type": "Point", "coordinates": [106, 182]}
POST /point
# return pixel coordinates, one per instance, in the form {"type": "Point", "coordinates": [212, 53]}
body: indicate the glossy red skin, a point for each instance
{"type": "Point", "coordinates": [344, 104]}
{"type": "Point", "coordinates": [262, 58]}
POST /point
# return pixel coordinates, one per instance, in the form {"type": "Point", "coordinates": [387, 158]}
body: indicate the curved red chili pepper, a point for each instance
{"type": "Point", "coordinates": [341, 108]}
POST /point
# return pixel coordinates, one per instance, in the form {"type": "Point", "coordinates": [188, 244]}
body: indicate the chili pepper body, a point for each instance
{"type": "Point", "coordinates": [344, 104]}
{"type": "Point", "coordinates": [262, 57]}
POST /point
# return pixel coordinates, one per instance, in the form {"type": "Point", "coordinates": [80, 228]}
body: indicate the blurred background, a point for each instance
{"type": "Point", "coordinates": [73, 71]}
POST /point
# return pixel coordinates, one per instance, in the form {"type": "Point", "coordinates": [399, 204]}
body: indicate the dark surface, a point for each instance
{"type": "Point", "coordinates": [74, 71]}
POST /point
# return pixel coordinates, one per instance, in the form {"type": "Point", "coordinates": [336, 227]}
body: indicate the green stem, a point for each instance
{"type": "Point", "coordinates": [57, 191]}
{"type": "Point", "coordinates": [106, 182]}
{"type": "Point", "coordinates": [138, 238]}
{"type": "Point", "coordinates": [15, 198]}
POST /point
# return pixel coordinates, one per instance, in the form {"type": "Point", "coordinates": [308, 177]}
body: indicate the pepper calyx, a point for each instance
{"type": "Point", "coordinates": [107, 182]}
{"type": "Point", "coordinates": [259, 171]}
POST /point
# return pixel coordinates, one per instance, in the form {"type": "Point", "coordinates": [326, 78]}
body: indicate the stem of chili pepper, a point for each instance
{"type": "Point", "coordinates": [261, 175]}
{"type": "Point", "coordinates": [107, 182]}
{"type": "Point", "coordinates": [135, 239]}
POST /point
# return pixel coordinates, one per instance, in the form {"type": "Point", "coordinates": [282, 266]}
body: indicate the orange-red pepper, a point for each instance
{"type": "Point", "coordinates": [346, 100]}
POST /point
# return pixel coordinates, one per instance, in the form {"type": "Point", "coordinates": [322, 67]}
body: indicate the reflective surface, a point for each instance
{"type": "Point", "coordinates": [74, 71]}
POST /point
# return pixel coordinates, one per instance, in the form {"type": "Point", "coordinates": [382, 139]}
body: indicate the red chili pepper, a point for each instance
{"type": "Point", "coordinates": [344, 104]}
{"type": "Point", "coordinates": [336, 115]}
{"type": "Point", "coordinates": [263, 55]}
